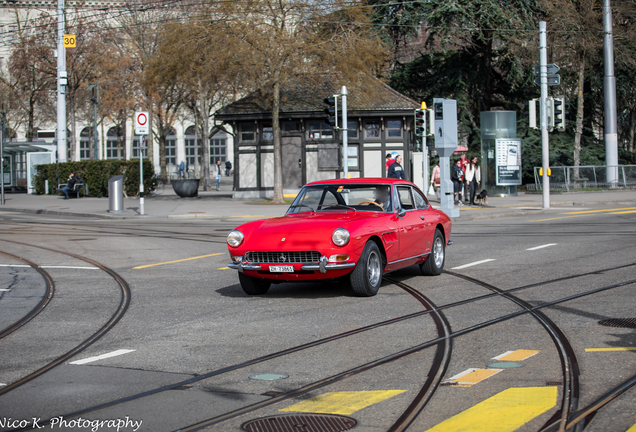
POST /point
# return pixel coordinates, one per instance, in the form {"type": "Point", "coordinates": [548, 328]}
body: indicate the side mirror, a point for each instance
{"type": "Point", "coordinates": [401, 213]}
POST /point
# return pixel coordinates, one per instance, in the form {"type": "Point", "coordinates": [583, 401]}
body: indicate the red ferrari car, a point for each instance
{"type": "Point", "coordinates": [355, 228]}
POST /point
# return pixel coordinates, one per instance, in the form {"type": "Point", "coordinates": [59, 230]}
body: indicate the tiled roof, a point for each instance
{"type": "Point", "coordinates": [307, 96]}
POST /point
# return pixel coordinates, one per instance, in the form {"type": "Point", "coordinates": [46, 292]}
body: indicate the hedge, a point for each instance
{"type": "Point", "coordinates": [96, 175]}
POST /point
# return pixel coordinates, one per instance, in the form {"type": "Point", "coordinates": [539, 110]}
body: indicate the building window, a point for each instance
{"type": "Point", "coordinates": [317, 130]}
{"type": "Point", "coordinates": [352, 156]}
{"type": "Point", "coordinates": [114, 143]}
{"type": "Point", "coordinates": [171, 147]}
{"type": "Point", "coordinates": [372, 129]}
{"type": "Point", "coordinates": [248, 132]}
{"type": "Point", "coordinates": [135, 147]}
{"type": "Point", "coordinates": [86, 142]}
{"type": "Point", "coordinates": [268, 132]}
{"type": "Point", "coordinates": [394, 129]}
{"type": "Point", "coordinates": [291, 126]}
{"type": "Point", "coordinates": [352, 129]}
{"type": "Point", "coordinates": [192, 146]}
{"type": "Point", "coordinates": [217, 150]}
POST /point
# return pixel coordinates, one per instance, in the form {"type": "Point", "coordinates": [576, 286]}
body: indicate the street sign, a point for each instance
{"type": "Point", "coordinates": [553, 79]}
{"type": "Point", "coordinates": [552, 69]}
{"type": "Point", "coordinates": [69, 41]}
{"type": "Point", "coordinates": [141, 123]}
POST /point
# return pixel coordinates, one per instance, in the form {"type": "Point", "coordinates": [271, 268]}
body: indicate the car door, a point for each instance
{"type": "Point", "coordinates": [411, 226]}
{"type": "Point", "coordinates": [427, 216]}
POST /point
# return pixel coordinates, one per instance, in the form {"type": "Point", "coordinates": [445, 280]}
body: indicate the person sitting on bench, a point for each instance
{"type": "Point", "coordinates": [72, 179]}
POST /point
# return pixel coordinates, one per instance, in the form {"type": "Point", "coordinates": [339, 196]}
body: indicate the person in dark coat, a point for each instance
{"type": "Point", "coordinates": [70, 184]}
{"type": "Point", "coordinates": [396, 170]}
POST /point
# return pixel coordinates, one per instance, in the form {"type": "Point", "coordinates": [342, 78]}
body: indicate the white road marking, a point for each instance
{"type": "Point", "coordinates": [472, 264]}
{"type": "Point", "coordinates": [4, 289]}
{"type": "Point", "coordinates": [101, 357]}
{"type": "Point", "coordinates": [14, 265]}
{"type": "Point", "coordinates": [542, 246]}
{"type": "Point", "coordinates": [50, 266]}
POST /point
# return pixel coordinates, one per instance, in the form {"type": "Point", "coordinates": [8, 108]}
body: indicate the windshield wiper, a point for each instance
{"type": "Point", "coordinates": [303, 205]}
{"type": "Point", "coordinates": [340, 205]}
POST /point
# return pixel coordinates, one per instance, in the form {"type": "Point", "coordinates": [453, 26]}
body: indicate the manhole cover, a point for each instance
{"type": "Point", "coordinates": [619, 322]}
{"type": "Point", "coordinates": [300, 423]}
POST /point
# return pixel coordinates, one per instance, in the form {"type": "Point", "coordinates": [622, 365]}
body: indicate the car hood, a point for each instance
{"type": "Point", "coordinates": [304, 230]}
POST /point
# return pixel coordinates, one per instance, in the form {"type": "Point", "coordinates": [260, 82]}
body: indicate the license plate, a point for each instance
{"type": "Point", "coordinates": [281, 269]}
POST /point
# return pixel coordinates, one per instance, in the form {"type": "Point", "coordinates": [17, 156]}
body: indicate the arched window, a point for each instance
{"type": "Point", "coordinates": [135, 147]}
{"type": "Point", "coordinates": [218, 150]}
{"type": "Point", "coordinates": [192, 146]}
{"type": "Point", "coordinates": [171, 147]}
{"type": "Point", "coordinates": [86, 142]}
{"type": "Point", "coordinates": [114, 143]}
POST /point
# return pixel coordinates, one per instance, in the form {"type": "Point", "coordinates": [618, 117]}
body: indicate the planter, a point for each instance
{"type": "Point", "coordinates": [186, 188]}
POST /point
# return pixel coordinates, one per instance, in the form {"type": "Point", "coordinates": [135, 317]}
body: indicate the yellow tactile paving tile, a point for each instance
{"type": "Point", "coordinates": [472, 376]}
{"type": "Point", "coordinates": [504, 412]}
{"type": "Point", "coordinates": [343, 403]}
{"type": "Point", "coordinates": [517, 355]}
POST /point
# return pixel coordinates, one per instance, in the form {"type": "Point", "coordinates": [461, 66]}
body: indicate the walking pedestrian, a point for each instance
{"type": "Point", "coordinates": [436, 181]}
{"type": "Point", "coordinates": [396, 170]}
{"type": "Point", "coordinates": [473, 178]}
{"type": "Point", "coordinates": [457, 176]}
{"type": "Point", "coordinates": [218, 175]}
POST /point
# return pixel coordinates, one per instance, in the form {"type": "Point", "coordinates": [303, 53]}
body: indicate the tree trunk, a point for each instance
{"type": "Point", "coordinates": [579, 118]}
{"type": "Point", "coordinates": [278, 155]}
{"type": "Point", "coordinates": [632, 126]}
{"type": "Point", "coordinates": [205, 147]}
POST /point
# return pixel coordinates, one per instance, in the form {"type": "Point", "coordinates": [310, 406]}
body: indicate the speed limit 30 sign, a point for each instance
{"type": "Point", "coordinates": [141, 123]}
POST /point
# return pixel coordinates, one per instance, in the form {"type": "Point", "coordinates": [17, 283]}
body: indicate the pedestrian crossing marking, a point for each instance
{"type": "Point", "coordinates": [472, 376]}
{"type": "Point", "coordinates": [518, 355]}
{"type": "Point", "coordinates": [504, 412]}
{"type": "Point", "coordinates": [343, 403]}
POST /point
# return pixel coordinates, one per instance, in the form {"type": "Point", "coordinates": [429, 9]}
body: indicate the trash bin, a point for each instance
{"type": "Point", "coordinates": [116, 194]}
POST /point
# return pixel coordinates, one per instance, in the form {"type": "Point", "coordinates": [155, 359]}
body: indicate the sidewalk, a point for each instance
{"type": "Point", "coordinates": [220, 204]}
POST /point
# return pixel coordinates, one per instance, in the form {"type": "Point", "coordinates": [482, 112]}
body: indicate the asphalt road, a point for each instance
{"type": "Point", "coordinates": [514, 342]}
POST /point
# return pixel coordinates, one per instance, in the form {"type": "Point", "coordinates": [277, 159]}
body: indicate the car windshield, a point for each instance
{"type": "Point", "coordinates": [343, 197]}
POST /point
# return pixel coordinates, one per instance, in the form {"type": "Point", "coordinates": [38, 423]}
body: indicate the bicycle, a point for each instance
{"type": "Point", "coordinates": [159, 186]}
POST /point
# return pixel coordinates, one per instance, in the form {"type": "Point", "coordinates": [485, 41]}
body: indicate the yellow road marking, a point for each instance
{"type": "Point", "coordinates": [610, 349]}
{"type": "Point", "coordinates": [599, 211]}
{"type": "Point", "coordinates": [344, 403]}
{"type": "Point", "coordinates": [517, 355]}
{"type": "Point", "coordinates": [624, 212]}
{"type": "Point", "coordinates": [181, 260]}
{"type": "Point", "coordinates": [631, 429]}
{"type": "Point", "coordinates": [564, 217]}
{"type": "Point", "coordinates": [223, 268]}
{"type": "Point", "coordinates": [503, 412]}
{"type": "Point", "coordinates": [472, 376]}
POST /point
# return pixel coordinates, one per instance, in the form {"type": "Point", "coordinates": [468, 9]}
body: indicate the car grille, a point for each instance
{"type": "Point", "coordinates": [283, 257]}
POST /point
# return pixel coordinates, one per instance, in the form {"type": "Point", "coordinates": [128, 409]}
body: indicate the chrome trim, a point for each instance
{"type": "Point", "coordinates": [330, 266]}
{"type": "Point", "coordinates": [410, 258]}
{"type": "Point", "coordinates": [242, 267]}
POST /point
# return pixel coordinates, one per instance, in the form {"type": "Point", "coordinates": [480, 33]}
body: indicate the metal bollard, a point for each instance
{"type": "Point", "coordinates": [116, 194]}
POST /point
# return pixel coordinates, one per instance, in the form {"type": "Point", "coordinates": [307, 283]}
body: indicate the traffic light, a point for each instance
{"type": "Point", "coordinates": [560, 113]}
{"type": "Point", "coordinates": [420, 122]}
{"type": "Point", "coordinates": [332, 111]}
{"type": "Point", "coordinates": [532, 113]}
{"type": "Point", "coordinates": [550, 113]}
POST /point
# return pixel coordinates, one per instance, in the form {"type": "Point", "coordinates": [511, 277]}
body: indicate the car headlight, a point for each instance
{"type": "Point", "coordinates": [235, 238]}
{"type": "Point", "coordinates": [340, 237]}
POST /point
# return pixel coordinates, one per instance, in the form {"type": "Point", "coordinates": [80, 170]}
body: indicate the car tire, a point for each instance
{"type": "Point", "coordinates": [367, 275]}
{"type": "Point", "coordinates": [434, 264]}
{"type": "Point", "coordinates": [252, 285]}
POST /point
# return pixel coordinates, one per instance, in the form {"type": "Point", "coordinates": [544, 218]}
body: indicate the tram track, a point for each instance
{"type": "Point", "coordinates": [124, 303]}
{"type": "Point", "coordinates": [563, 419]}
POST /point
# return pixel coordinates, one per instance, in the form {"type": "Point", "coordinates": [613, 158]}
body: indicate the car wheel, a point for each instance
{"type": "Point", "coordinates": [434, 264]}
{"type": "Point", "coordinates": [367, 275]}
{"type": "Point", "coordinates": [252, 285]}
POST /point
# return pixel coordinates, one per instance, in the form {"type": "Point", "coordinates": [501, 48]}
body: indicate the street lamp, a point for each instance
{"type": "Point", "coordinates": [95, 100]}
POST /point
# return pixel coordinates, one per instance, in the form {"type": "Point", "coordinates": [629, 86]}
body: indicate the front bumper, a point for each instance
{"type": "Point", "coordinates": [323, 266]}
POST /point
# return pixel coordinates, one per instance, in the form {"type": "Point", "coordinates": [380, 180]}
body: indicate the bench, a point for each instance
{"type": "Point", "coordinates": [77, 189]}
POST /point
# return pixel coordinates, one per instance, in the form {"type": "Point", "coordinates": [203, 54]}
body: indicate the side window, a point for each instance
{"type": "Point", "coordinates": [421, 203]}
{"type": "Point", "coordinates": [406, 201]}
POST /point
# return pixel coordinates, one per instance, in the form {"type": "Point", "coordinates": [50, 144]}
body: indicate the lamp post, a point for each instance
{"type": "Point", "coordinates": [95, 100]}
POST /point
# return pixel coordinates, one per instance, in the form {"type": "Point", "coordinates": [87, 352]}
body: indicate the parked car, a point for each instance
{"type": "Point", "coordinates": [358, 229]}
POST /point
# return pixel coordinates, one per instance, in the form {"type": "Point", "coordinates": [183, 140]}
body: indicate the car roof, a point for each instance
{"type": "Point", "coordinates": [362, 180]}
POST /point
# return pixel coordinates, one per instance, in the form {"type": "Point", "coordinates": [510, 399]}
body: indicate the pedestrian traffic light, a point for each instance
{"type": "Point", "coordinates": [560, 113]}
{"type": "Point", "coordinates": [531, 112]}
{"type": "Point", "coordinates": [420, 121]}
{"type": "Point", "coordinates": [332, 111]}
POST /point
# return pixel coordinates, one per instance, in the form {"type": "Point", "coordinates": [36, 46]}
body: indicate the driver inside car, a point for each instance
{"type": "Point", "coordinates": [383, 197]}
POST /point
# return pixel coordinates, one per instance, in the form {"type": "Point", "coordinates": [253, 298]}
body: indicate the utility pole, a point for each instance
{"type": "Point", "coordinates": [609, 92]}
{"type": "Point", "coordinates": [61, 85]}
{"type": "Point", "coordinates": [345, 132]}
{"type": "Point", "coordinates": [545, 140]}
